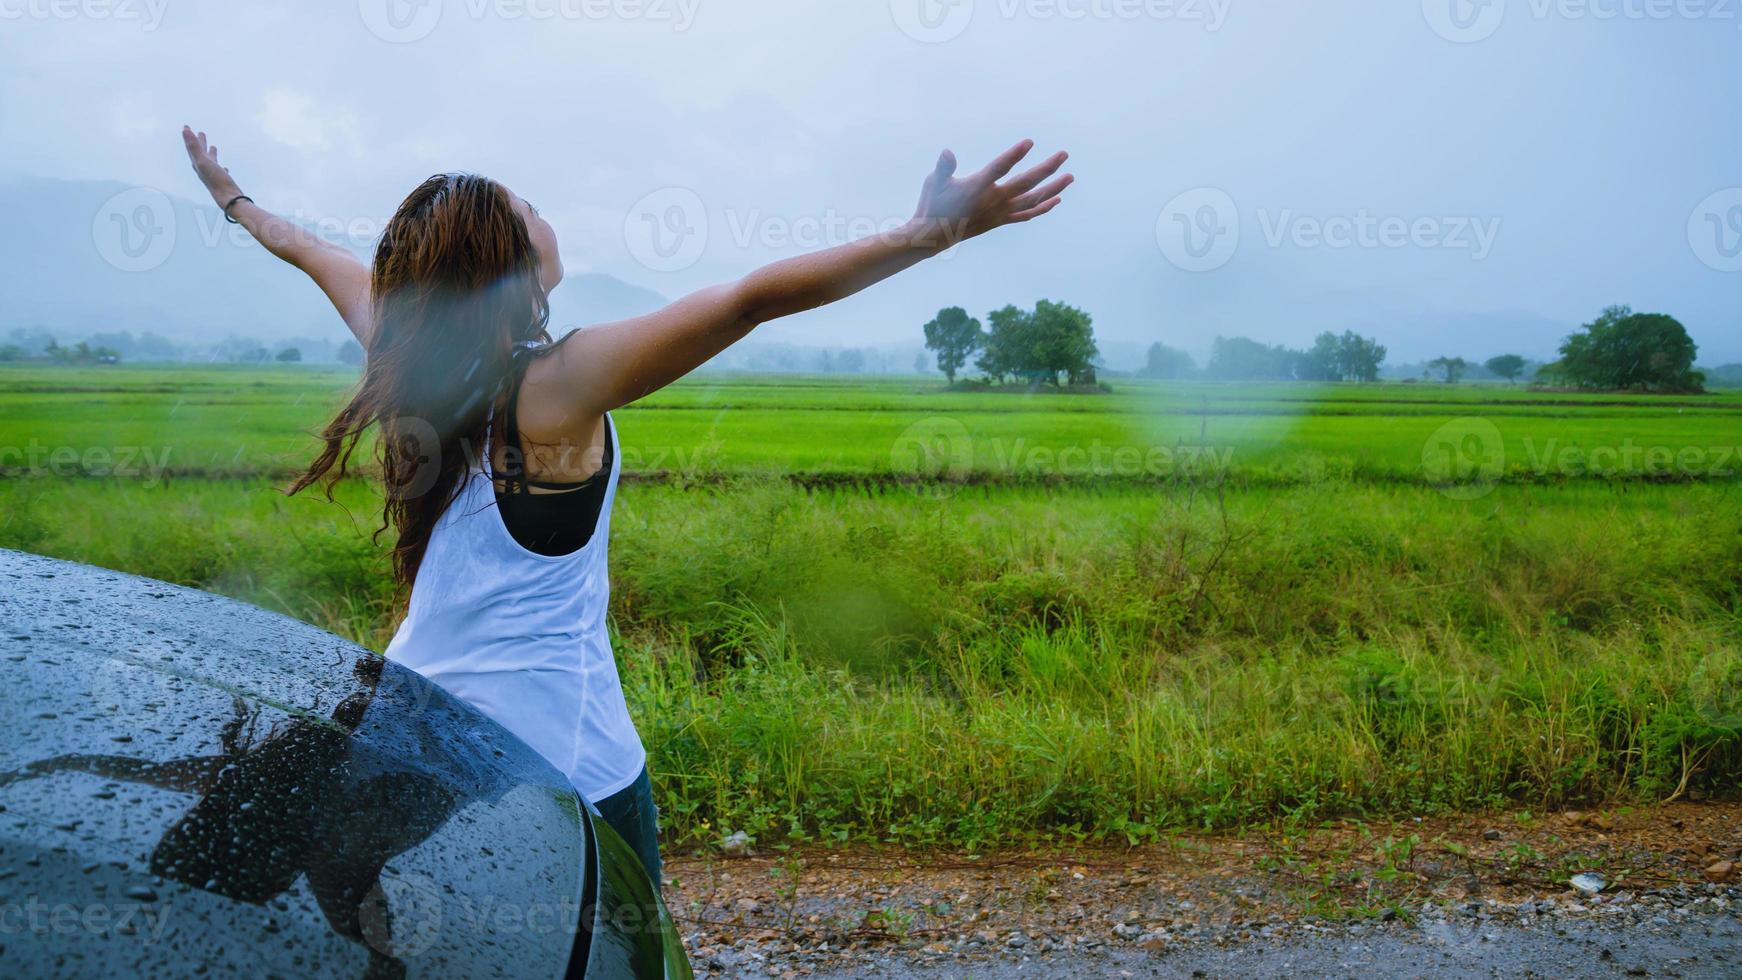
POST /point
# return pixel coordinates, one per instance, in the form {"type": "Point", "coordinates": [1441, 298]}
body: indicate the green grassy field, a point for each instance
{"type": "Point", "coordinates": [226, 421]}
{"type": "Point", "coordinates": [870, 609]}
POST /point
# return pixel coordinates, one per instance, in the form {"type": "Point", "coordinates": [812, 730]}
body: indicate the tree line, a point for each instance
{"type": "Point", "coordinates": [1619, 351]}
{"type": "Point", "coordinates": [1037, 346]}
{"type": "Point", "coordinates": [1624, 350]}
{"type": "Point", "coordinates": [1332, 357]}
{"type": "Point", "coordinates": [38, 344]}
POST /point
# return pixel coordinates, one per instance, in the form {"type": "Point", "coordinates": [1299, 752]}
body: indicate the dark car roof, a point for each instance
{"type": "Point", "coordinates": [187, 780]}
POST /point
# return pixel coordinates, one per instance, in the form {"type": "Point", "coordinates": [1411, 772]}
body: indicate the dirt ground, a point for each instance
{"type": "Point", "coordinates": [1474, 896]}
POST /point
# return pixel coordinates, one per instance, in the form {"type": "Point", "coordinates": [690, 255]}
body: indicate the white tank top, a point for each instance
{"type": "Point", "coordinates": [523, 636]}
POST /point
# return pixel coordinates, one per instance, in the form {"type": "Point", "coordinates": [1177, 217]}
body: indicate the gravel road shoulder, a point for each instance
{"type": "Point", "coordinates": [1478, 896]}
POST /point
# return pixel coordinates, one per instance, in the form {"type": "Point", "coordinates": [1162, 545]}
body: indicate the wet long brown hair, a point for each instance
{"type": "Point", "coordinates": [455, 287]}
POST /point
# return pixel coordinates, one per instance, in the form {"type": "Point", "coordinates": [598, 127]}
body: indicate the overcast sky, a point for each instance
{"type": "Point", "coordinates": [1384, 162]}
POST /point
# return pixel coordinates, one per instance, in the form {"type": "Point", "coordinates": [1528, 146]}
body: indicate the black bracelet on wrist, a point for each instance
{"type": "Point", "coordinates": [233, 200]}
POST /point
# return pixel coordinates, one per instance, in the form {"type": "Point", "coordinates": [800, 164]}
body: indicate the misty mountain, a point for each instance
{"type": "Point", "coordinates": [1289, 314]}
{"type": "Point", "coordinates": [1472, 336]}
{"type": "Point", "coordinates": [100, 257]}
{"type": "Point", "coordinates": [592, 297]}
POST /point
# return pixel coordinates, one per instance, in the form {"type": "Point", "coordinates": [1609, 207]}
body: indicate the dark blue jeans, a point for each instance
{"type": "Point", "coordinates": [631, 813]}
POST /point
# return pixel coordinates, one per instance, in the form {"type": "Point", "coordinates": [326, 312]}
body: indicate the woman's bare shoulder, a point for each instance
{"type": "Point", "coordinates": [569, 439]}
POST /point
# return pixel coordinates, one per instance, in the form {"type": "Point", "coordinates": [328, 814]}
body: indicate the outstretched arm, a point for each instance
{"type": "Point", "coordinates": [605, 367]}
{"type": "Point", "coordinates": [340, 274]}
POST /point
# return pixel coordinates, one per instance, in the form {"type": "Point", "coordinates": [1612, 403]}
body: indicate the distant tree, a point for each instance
{"type": "Point", "coordinates": [121, 341]}
{"type": "Point", "coordinates": [289, 355]}
{"type": "Point", "coordinates": [31, 339]}
{"type": "Point", "coordinates": [1320, 361]}
{"type": "Point", "coordinates": [145, 347]}
{"type": "Point", "coordinates": [1350, 357]}
{"type": "Point", "coordinates": [921, 363]}
{"type": "Point", "coordinates": [11, 352]}
{"type": "Point", "coordinates": [1167, 362]}
{"type": "Point", "coordinates": [1728, 375]}
{"type": "Point", "coordinates": [1451, 368]}
{"type": "Point", "coordinates": [1000, 346]}
{"type": "Point", "coordinates": [1039, 345]}
{"type": "Point", "coordinates": [350, 352]}
{"type": "Point", "coordinates": [1507, 366]}
{"type": "Point", "coordinates": [851, 361]}
{"type": "Point", "coordinates": [1358, 357]}
{"type": "Point", "coordinates": [151, 346]}
{"type": "Point", "coordinates": [1064, 342]}
{"type": "Point", "coordinates": [953, 335]}
{"type": "Point", "coordinates": [81, 353]}
{"type": "Point", "coordinates": [1622, 349]}
{"type": "Point", "coordinates": [1244, 359]}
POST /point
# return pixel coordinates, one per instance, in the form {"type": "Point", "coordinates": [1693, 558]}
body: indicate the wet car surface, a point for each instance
{"type": "Point", "coordinates": [190, 783]}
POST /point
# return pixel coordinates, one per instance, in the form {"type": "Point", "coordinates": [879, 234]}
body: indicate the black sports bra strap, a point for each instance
{"type": "Point", "coordinates": [513, 457]}
{"type": "Point", "coordinates": [514, 477]}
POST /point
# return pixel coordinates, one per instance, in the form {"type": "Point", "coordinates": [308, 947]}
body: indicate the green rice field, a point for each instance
{"type": "Point", "coordinates": [874, 609]}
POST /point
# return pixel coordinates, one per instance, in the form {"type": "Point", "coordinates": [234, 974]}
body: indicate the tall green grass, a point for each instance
{"type": "Point", "coordinates": [1007, 663]}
